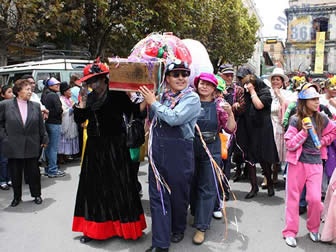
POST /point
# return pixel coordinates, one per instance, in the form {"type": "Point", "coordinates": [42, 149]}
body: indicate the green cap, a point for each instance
{"type": "Point", "coordinates": [221, 83]}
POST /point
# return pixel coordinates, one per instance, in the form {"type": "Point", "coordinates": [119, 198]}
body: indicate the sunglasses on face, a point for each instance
{"type": "Point", "coordinates": [176, 74]}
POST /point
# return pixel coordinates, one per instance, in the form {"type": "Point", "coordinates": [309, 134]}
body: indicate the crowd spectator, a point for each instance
{"type": "Point", "coordinates": [234, 95]}
{"type": "Point", "coordinates": [51, 101]}
{"type": "Point", "coordinates": [68, 143]}
{"type": "Point", "coordinates": [75, 86]}
{"type": "Point", "coordinates": [255, 132]}
{"type": "Point", "coordinates": [305, 163]}
{"type": "Point", "coordinates": [328, 233]}
{"type": "Point", "coordinates": [5, 178]}
{"type": "Point", "coordinates": [278, 107]}
{"type": "Point", "coordinates": [215, 116]}
{"type": "Point", "coordinates": [23, 135]}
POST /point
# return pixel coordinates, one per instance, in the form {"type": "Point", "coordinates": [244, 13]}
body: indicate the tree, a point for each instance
{"type": "Point", "coordinates": [225, 28]}
{"type": "Point", "coordinates": [107, 27]}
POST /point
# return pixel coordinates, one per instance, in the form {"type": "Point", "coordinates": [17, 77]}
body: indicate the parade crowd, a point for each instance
{"type": "Point", "coordinates": [196, 134]}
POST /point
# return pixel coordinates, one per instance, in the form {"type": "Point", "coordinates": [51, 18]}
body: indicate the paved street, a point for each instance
{"type": "Point", "coordinates": [47, 227]}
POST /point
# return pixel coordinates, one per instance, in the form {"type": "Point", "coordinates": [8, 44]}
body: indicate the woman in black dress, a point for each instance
{"type": "Point", "coordinates": [108, 203]}
{"type": "Point", "coordinates": [255, 132]}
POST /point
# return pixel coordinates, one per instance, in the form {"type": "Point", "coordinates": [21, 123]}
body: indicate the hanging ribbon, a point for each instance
{"type": "Point", "coordinates": [217, 172]}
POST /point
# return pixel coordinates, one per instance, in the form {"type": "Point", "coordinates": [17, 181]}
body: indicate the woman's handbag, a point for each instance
{"type": "Point", "coordinates": [135, 133]}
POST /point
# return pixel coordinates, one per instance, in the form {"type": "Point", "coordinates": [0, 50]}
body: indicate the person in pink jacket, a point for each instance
{"type": "Point", "coordinates": [305, 163]}
{"type": "Point", "coordinates": [328, 233]}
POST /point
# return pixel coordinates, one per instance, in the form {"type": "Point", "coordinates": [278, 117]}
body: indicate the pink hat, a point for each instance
{"type": "Point", "coordinates": [206, 77]}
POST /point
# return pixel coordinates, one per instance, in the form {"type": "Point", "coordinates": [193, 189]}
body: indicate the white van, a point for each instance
{"type": "Point", "coordinates": [61, 69]}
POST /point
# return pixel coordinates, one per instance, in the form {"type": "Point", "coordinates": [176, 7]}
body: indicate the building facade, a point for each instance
{"type": "Point", "coordinates": [275, 48]}
{"type": "Point", "coordinates": [255, 61]}
{"type": "Point", "coordinates": [304, 19]}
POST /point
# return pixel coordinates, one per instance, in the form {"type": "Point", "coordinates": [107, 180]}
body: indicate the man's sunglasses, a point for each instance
{"type": "Point", "coordinates": [176, 74]}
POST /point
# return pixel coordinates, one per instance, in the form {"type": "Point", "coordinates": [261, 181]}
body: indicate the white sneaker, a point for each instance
{"type": "Point", "coordinates": [217, 214]}
{"type": "Point", "coordinates": [315, 237]}
{"type": "Point", "coordinates": [291, 241]}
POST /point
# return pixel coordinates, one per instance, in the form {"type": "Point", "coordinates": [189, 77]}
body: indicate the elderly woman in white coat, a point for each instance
{"type": "Point", "coordinates": [68, 143]}
{"type": "Point", "coordinates": [280, 100]}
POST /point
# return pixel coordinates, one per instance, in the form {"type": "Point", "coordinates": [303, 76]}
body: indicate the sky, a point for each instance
{"type": "Point", "coordinates": [270, 11]}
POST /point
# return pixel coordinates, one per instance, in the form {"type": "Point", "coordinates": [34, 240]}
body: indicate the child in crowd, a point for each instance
{"type": "Point", "coordinates": [305, 163]}
{"type": "Point", "coordinates": [5, 178]}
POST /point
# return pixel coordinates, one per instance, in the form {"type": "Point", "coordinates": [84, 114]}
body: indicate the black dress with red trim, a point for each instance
{"type": "Point", "coordinates": [108, 203]}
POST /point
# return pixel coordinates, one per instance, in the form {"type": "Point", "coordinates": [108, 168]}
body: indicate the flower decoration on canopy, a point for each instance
{"type": "Point", "coordinates": [161, 46]}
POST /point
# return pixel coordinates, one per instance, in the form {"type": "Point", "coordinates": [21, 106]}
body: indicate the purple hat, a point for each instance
{"type": "Point", "coordinates": [206, 77]}
{"type": "Point", "coordinates": [51, 82]}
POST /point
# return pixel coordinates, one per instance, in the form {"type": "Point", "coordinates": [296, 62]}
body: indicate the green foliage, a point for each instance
{"type": "Point", "coordinates": [110, 28]}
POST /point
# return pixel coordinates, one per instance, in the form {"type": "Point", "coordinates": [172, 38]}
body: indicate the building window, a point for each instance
{"type": "Point", "coordinates": [320, 25]}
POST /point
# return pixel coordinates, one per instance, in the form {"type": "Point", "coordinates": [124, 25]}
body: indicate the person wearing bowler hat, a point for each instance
{"type": "Point", "coordinates": [68, 143]}
{"type": "Point", "coordinates": [172, 154]}
{"type": "Point", "coordinates": [107, 203]}
{"type": "Point", "coordinates": [215, 116]}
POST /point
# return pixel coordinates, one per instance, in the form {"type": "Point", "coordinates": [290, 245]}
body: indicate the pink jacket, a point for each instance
{"type": "Point", "coordinates": [295, 139]}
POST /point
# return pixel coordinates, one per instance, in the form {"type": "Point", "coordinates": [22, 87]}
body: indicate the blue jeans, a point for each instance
{"type": "Point", "coordinates": [4, 170]}
{"type": "Point", "coordinates": [54, 133]}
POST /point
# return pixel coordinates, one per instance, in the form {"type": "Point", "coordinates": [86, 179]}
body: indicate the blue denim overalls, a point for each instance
{"type": "Point", "coordinates": [174, 158]}
{"type": "Point", "coordinates": [204, 194]}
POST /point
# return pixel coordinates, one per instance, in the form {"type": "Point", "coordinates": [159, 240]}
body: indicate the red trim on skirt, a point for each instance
{"type": "Point", "coordinates": [104, 230]}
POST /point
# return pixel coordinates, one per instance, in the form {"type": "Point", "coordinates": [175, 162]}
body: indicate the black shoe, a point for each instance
{"type": "Point", "coordinates": [157, 249]}
{"type": "Point", "coordinates": [252, 193]}
{"type": "Point", "coordinates": [302, 210]}
{"type": "Point", "coordinates": [270, 191]}
{"type": "Point", "coordinates": [85, 239]}
{"type": "Point", "coordinates": [177, 237]}
{"type": "Point", "coordinates": [38, 200]}
{"type": "Point", "coordinates": [15, 202]}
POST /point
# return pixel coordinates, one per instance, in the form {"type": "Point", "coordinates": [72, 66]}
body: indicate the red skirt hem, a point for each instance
{"type": "Point", "coordinates": [105, 230]}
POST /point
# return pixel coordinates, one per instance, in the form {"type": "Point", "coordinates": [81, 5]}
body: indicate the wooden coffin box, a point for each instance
{"type": "Point", "coordinates": [130, 76]}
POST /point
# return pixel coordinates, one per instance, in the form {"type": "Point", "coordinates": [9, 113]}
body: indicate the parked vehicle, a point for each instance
{"type": "Point", "coordinates": [61, 69]}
